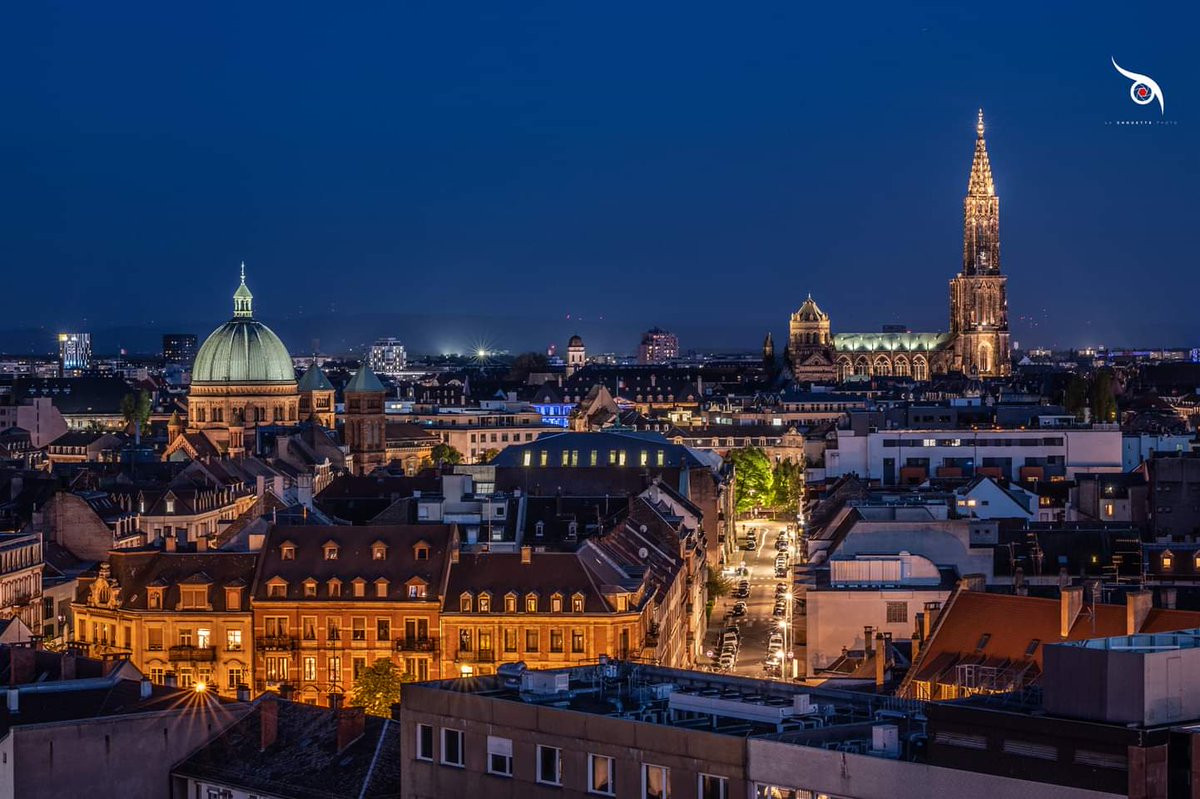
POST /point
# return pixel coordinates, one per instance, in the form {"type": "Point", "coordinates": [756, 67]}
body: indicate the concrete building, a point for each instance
{"type": "Point", "coordinates": [622, 729]}
{"type": "Point", "coordinates": [36, 415]}
{"type": "Point", "coordinates": [387, 357]}
{"type": "Point", "coordinates": [179, 349]}
{"type": "Point", "coordinates": [910, 457]}
{"type": "Point", "coordinates": [74, 353]}
{"type": "Point", "coordinates": [658, 346]}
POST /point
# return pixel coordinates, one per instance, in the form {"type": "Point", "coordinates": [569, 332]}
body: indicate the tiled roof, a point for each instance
{"type": "Point", "coordinates": [135, 569]}
{"type": "Point", "coordinates": [501, 573]}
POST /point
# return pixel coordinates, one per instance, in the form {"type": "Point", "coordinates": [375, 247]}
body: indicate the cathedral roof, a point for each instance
{"type": "Point", "coordinates": [980, 183]}
{"type": "Point", "coordinates": [365, 381]}
{"type": "Point", "coordinates": [890, 342]}
{"type": "Point", "coordinates": [810, 312]}
{"type": "Point", "coordinates": [315, 380]}
{"type": "Point", "coordinates": [243, 351]}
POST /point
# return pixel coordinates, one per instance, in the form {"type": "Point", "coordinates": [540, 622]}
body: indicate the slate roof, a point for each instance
{"type": "Point", "coordinates": [314, 380]}
{"type": "Point", "coordinates": [364, 380]}
{"type": "Point", "coordinates": [603, 443]}
{"type": "Point", "coordinates": [76, 396]}
{"type": "Point", "coordinates": [546, 574]}
{"type": "Point", "coordinates": [303, 763]}
{"type": "Point", "coordinates": [134, 569]}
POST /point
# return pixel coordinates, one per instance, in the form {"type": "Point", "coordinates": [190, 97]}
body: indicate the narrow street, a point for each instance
{"type": "Point", "coordinates": [759, 620]}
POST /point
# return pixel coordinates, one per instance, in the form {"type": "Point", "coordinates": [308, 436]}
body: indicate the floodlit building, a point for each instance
{"type": "Point", "coordinates": [74, 353]}
{"type": "Point", "coordinates": [387, 356]}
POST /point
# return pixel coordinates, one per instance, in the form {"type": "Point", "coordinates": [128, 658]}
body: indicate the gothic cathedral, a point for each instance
{"type": "Point", "coordinates": [977, 344]}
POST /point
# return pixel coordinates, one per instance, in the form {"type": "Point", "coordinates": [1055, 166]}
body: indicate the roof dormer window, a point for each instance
{"type": "Point", "coordinates": [287, 551]}
{"type": "Point", "coordinates": [464, 602]}
{"type": "Point", "coordinates": [1167, 560]}
{"type": "Point", "coordinates": [539, 529]}
{"type": "Point", "coordinates": [510, 603]}
{"type": "Point", "coordinates": [359, 586]}
{"type": "Point", "coordinates": [485, 603]}
{"type": "Point", "coordinates": [335, 587]}
{"type": "Point", "coordinates": [556, 603]}
{"type": "Point", "coordinates": [381, 588]}
{"type": "Point", "coordinates": [379, 551]}
{"type": "Point", "coordinates": [577, 603]}
{"type": "Point", "coordinates": [531, 600]}
{"type": "Point", "coordinates": [310, 588]}
{"type": "Point", "coordinates": [421, 551]}
{"type": "Point", "coordinates": [170, 504]}
{"type": "Point", "coordinates": [330, 550]}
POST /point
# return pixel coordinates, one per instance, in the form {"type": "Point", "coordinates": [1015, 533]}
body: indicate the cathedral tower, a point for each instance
{"type": "Point", "coordinates": [978, 295]}
{"type": "Point", "coordinates": [366, 423]}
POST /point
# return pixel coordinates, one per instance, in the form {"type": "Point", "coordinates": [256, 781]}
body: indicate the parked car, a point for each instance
{"type": "Point", "coordinates": [739, 609]}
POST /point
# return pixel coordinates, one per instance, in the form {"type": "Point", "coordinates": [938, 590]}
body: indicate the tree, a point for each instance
{"type": "Point", "coordinates": [525, 364]}
{"type": "Point", "coordinates": [377, 687]}
{"type": "Point", "coordinates": [788, 486]}
{"type": "Point", "coordinates": [716, 585]}
{"type": "Point", "coordinates": [1104, 402]}
{"type": "Point", "coordinates": [135, 409]}
{"type": "Point", "coordinates": [753, 478]}
{"type": "Point", "coordinates": [1076, 396]}
{"type": "Point", "coordinates": [488, 454]}
{"type": "Point", "coordinates": [444, 453]}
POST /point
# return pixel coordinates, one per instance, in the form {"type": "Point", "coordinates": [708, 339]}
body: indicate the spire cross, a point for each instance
{"type": "Point", "coordinates": [244, 268]}
{"type": "Point", "coordinates": [979, 124]}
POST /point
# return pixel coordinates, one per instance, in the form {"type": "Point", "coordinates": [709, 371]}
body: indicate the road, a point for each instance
{"type": "Point", "coordinates": [759, 621]}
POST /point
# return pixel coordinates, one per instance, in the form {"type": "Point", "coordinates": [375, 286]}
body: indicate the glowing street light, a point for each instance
{"type": "Point", "coordinates": [200, 687]}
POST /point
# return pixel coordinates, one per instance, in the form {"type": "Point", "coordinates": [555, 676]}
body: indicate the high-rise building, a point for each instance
{"type": "Point", "coordinates": [74, 353]}
{"type": "Point", "coordinates": [387, 357]}
{"type": "Point", "coordinates": [179, 348]}
{"type": "Point", "coordinates": [658, 346]}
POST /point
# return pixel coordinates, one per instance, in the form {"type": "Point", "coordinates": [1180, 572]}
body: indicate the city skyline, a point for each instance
{"type": "Point", "coordinates": [555, 187]}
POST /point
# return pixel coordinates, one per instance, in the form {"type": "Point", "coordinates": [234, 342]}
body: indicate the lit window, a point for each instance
{"type": "Point", "coordinates": [600, 775]}
{"type": "Point", "coordinates": [713, 787]}
{"type": "Point", "coordinates": [485, 603]}
{"type": "Point", "coordinates": [464, 603]}
{"type": "Point", "coordinates": [655, 782]}
{"type": "Point", "coordinates": [287, 552]}
{"type": "Point", "coordinates": [531, 603]}
{"type": "Point", "coordinates": [1168, 560]}
{"type": "Point", "coordinates": [527, 459]}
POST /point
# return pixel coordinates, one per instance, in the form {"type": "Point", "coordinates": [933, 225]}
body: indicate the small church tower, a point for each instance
{"type": "Point", "coordinates": [576, 355]}
{"type": "Point", "coordinates": [366, 425]}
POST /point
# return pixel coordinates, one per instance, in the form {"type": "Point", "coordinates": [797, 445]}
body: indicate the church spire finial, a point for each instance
{"type": "Point", "coordinates": [243, 300]}
{"type": "Point", "coordinates": [979, 124]}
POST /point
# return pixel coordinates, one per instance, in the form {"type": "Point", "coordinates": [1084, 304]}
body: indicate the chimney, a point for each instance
{"type": "Point", "coordinates": [1019, 587]}
{"type": "Point", "coordinates": [171, 680]}
{"type": "Point", "coordinates": [169, 542]}
{"type": "Point", "coordinates": [268, 722]}
{"type": "Point", "coordinates": [916, 646]}
{"type": "Point", "coordinates": [880, 659]}
{"type": "Point", "coordinates": [243, 692]}
{"type": "Point", "coordinates": [1137, 607]}
{"type": "Point", "coordinates": [973, 582]}
{"type": "Point", "coordinates": [527, 554]}
{"type": "Point", "coordinates": [929, 618]}
{"type": "Point", "coordinates": [14, 701]}
{"type": "Point", "coordinates": [202, 544]}
{"type": "Point", "coordinates": [350, 724]}
{"type": "Point", "coordinates": [868, 635]}
{"type": "Point", "coordinates": [67, 669]}
{"type": "Point", "coordinates": [1070, 603]}
{"type": "Point", "coordinates": [146, 689]}
{"type": "Point", "coordinates": [22, 660]}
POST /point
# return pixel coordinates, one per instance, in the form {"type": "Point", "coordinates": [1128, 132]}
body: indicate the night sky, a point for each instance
{"type": "Point", "coordinates": [455, 173]}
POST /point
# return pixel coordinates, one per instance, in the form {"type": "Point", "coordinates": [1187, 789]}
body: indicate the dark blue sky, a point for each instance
{"type": "Point", "coordinates": [694, 165]}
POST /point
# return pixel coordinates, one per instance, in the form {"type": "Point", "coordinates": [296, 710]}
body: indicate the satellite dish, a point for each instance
{"type": "Point", "coordinates": [643, 553]}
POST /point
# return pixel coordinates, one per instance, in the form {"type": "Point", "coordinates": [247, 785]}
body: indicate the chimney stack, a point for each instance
{"type": "Point", "coordinates": [14, 701]}
{"type": "Point", "coordinates": [147, 689]}
{"type": "Point", "coordinates": [22, 660]}
{"type": "Point", "coordinates": [880, 660]}
{"type": "Point", "coordinates": [1137, 607]}
{"type": "Point", "coordinates": [929, 617]}
{"type": "Point", "coordinates": [169, 542]}
{"type": "Point", "coordinates": [268, 722]}
{"type": "Point", "coordinates": [243, 692]}
{"type": "Point", "coordinates": [1070, 603]}
{"type": "Point", "coordinates": [351, 722]}
{"type": "Point", "coordinates": [916, 647]}
{"type": "Point", "coordinates": [527, 554]}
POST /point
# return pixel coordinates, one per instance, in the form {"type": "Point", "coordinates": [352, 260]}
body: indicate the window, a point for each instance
{"type": "Point", "coordinates": [360, 587]}
{"type": "Point", "coordinates": [464, 603]}
{"type": "Point", "coordinates": [235, 678]}
{"type": "Point", "coordinates": [499, 756]}
{"type": "Point", "coordinates": [897, 612]}
{"type": "Point", "coordinates": [331, 551]}
{"type": "Point", "coordinates": [713, 787]}
{"type": "Point", "coordinates": [157, 675]}
{"type": "Point", "coordinates": [277, 590]}
{"type": "Point", "coordinates": [556, 640]}
{"type": "Point", "coordinates": [424, 742]}
{"type": "Point", "coordinates": [310, 669]}
{"type": "Point", "coordinates": [577, 603]}
{"type": "Point", "coordinates": [556, 603]}
{"type": "Point", "coordinates": [381, 588]}
{"type": "Point", "coordinates": [452, 747]}
{"type": "Point", "coordinates": [379, 552]}
{"type": "Point", "coordinates": [233, 640]}
{"type": "Point", "coordinates": [417, 591]}
{"type": "Point", "coordinates": [191, 597]}
{"type": "Point", "coordinates": [357, 667]}
{"type": "Point", "coordinates": [185, 637]}
{"type": "Point", "coordinates": [510, 603]}
{"type": "Point", "coordinates": [358, 629]}
{"type": "Point", "coordinates": [549, 765]}
{"type": "Point", "coordinates": [531, 640]}
{"type": "Point", "coordinates": [287, 552]}
{"type": "Point", "coordinates": [1168, 560]}
{"type": "Point", "coordinates": [154, 598]}
{"type": "Point", "coordinates": [277, 668]}
{"type": "Point", "coordinates": [309, 625]}
{"type": "Point", "coordinates": [577, 641]}
{"type": "Point", "coordinates": [154, 641]}
{"type": "Point", "coordinates": [335, 588]}
{"type": "Point", "coordinates": [655, 782]}
{"type": "Point", "coordinates": [531, 603]}
{"type": "Point", "coordinates": [600, 775]}
{"type": "Point", "coordinates": [233, 599]}
{"type": "Point", "coordinates": [310, 588]}
{"type": "Point", "coordinates": [334, 629]}
{"type": "Point", "coordinates": [335, 669]}
{"type": "Point", "coordinates": [383, 629]}
{"type": "Point", "coordinates": [510, 640]}
{"type": "Point", "coordinates": [485, 603]}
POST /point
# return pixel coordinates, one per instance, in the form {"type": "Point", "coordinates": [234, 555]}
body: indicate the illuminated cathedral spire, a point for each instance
{"type": "Point", "coordinates": [981, 213]}
{"type": "Point", "coordinates": [980, 184]}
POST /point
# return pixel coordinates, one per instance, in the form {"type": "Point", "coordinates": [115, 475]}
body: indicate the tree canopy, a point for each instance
{"type": "Point", "coordinates": [444, 453]}
{"type": "Point", "coordinates": [754, 478]}
{"type": "Point", "coordinates": [378, 686]}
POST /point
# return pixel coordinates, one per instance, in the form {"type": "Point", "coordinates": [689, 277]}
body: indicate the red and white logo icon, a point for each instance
{"type": "Point", "coordinates": [1144, 90]}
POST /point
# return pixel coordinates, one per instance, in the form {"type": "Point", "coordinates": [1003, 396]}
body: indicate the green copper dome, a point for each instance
{"type": "Point", "coordinates": [243, 350]}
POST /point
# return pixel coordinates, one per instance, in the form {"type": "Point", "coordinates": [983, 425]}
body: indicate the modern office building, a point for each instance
{"type": "Point", "coordinates": [387, 357]}
{"type": "Point", "coordinates": [74, 353]}
{"type": "Point", "coordinates": [658, 346]}
{"type": "Point", "coordinates": [179, 348]}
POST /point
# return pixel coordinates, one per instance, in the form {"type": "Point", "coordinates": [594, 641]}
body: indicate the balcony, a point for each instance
{"type": "Point", "coordinates": [416, 645]}
{"type": "Point", "coordinates": [197, 654]}
{"type": "Point", "coordinates": [476, 656]}
{"type": "Point", "coordinates": [275, 643]}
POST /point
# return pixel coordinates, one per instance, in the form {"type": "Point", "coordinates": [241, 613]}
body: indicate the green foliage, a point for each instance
{"type": "Point", "coordinates": [754, 479]}
{"type": "Point", "coordinates": [788, 488]}
{"type": "Point", "coordinates": [444, 453]}
{"type": "Point", "coordinates": [135, 408]}
{"type": "Point", "coordinates": [1076, 396]}
{"type": "Point", "coordinates": [378, 687]}
{"type": "Point", "coordinates": [488, 455]}
{"type": "Point", "coordinates": [716, 585]}
{"type": "Point", "coordinates": [1104, 402]}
